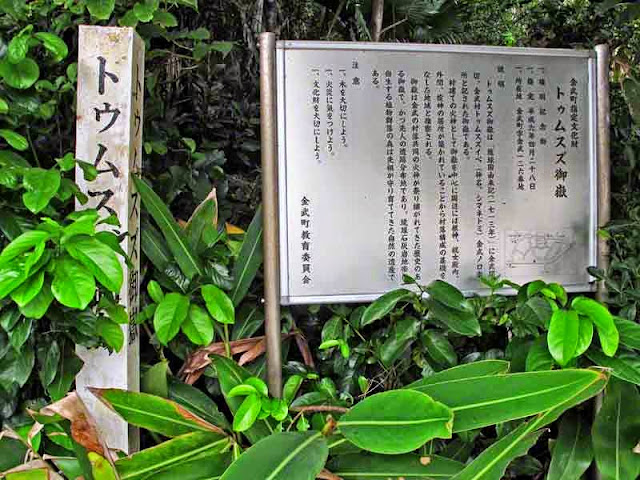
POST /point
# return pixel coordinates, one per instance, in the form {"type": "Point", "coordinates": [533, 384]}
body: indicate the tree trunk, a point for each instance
{"type": "Point", "coordinates": [270, 15]}
{"type": "Point", "coordinates": [377, 12]}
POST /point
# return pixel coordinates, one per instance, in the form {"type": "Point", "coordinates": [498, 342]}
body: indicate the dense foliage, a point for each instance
{"type": "Point", "coordinates": [358, 378]}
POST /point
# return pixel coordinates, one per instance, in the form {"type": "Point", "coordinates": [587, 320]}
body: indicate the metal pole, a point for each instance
{"type": "Point", "coordinates": [377, 14]}
{"type": "Point", "coordinates": [269, 153]}
{"type": "Point", "coordinates": [604, 185]}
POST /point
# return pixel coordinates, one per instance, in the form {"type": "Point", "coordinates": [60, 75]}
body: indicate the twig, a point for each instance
{"type": "Point", "coordinates": [327, 475]}
{"type": "Point", "coordinates": [319, 408]}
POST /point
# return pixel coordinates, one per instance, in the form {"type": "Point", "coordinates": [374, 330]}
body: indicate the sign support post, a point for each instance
{"type": "Point", "coordinates": [269, 157]}
{"type": "Point", "coordinates": [109, 136]}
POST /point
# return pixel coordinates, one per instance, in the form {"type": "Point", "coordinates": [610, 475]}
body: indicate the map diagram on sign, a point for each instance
{"type": "Point", "coordinates": [551, 252]}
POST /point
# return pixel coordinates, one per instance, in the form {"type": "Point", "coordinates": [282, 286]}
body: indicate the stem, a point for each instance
{"type": "Point", "coordinates": [227, 347]}
{"type": "Point", "coordinates": [377, 12]}
{"type": "Point", "coordinates": [33, 148]}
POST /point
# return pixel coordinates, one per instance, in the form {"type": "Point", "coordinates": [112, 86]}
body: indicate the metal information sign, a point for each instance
{"type": "Point", "coordinates": [441, 162]}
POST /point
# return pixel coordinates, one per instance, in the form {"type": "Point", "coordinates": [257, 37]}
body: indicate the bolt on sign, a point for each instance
{"type": "Point", "coordinates": [109, 136]}
{"type": "Point", "coordinates": [434, 161]}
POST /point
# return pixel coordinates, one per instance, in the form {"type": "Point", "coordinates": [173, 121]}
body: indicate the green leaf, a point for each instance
{"type": "Point", "coordinates": [4, 106]}
{"type": "Point", "coordinates": [222, 47]}
{"type": "Point", "coordinates": [248, 321]}
{"type": "Point", "coordinates": [54, 44]}
{"type": "Point", "coordinates": [615, 432]}
{"type": "Point", "coordinates": [384, 305]}
{"type": "Point", "coordinates": [30, 474]}
{"type": "Point", "coordinates": [629, 332]}
{"type": "Point", "coordinates": [249, 259]}
{"type": "Point", "coordinates": [230, 375]}
{"type": "Point", "coordinates": [572, 453]}
{"type": "Point", "coordinates": [361, 466]}
{"type": "Point", "coordinates": [247, 414]}
{"type": "Point", "coordinates": [21, 75]}
{"type": "Point", "coordinates": [563, 336]}
{"type": "Point", "coordinates": [153, 413]}
{"type": "Point", "coordinates": [12, 275]}
{"type": "Point", "coordinates": [396, 422]}
{"type": "Point", "coordinates": [493, 461]}
{"type": "Point", "coordinates": [14, 139]}
{"type": "Point", "coordinates": [99, 259]}
{"type": "Point", "coordinates": [282, 456]}
{"type": "Point", "coordinates": [173, 235]}
{"type": "Point", "coordinates": [439, 348]}
{"type": "Point", "coordinates": [41, 185]}
{"type": "Point", "coordinates": [111, 332]}
{"type": "Point", "coordinates": [291, 387]}
{"type": "Point", "coordinates": [601, 317]}
{"type": "Point", "coordinates": [17, 367]}
{"type": "Point", "coordinates": [405, 332]}
{"type": "Point", "coordinates": [12, 453]}
{"type": "Point", "coordinates": [145, 10]}
{"type": "Point", "coordinates": [470, 370]}
{"type": "Point", "coordinates": [585, 335]}
{"type": "Point", "coordinates": [197, 402]}
{"type": "Point", "coordinates": [73, 286]}
{"type": "Point", "coordinates": [201, 230]}
{"type": "Point", "coordinates": [155, 291]}
{"type": "Point", "coordinates": [463, 322]}
{"type": "Point", "coordinates": [26, 292]}
{"type": "Point", "coordinates": [154, 247]}
{"type": "Point", "coordinates": [49, 358]}
{"type": "Point", "coordinates": [189, 3]}
{"type": "Point", "coordinates": [198, 326]}
{"type": "Point", "coordinates": [200, 448]}
{"type": "Point", "coordinates": [539, 358]}
{"type": "Point", "coordinates": [67, 370]}
{"type": "Point", "coordinates": [483, 401]}
{"type": "Point", "coordinates": [631, 91]}
{"type": "Point", "coordinates": [101, 469]}
{"type": "Point", "coordinates": [23, 243]}
{"type": "Point", "coordinates": [169, 316]}
{"type": "Point", "coordinates": [20, 333]}
{"type": "Point", "coordinates": [447, 294]}
{"type": "Point", "coordinates": [625, 365]}
{"type": "Point", "coordinates": [101, 9]}
{"type": "Point", "coordinates": [38, 307]}
{"type": "Point", "coordinates": [218, 303]}
{"type": "Point", "coordinates": [19, 45]}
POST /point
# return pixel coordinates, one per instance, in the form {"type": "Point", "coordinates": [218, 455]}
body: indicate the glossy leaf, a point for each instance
{"type": "Point", "coordinates": [14, 139]}
{"type": "Point", "coordinates": [282, 456]}
{"type": "Point", "coordinates": [400, 337]}
{"type": "Point", "coordinates": [155, 291]}
{"type": "Point", "coordinates": [470, 370]}
{"type": "Point", "coordinates": [154, 381]}
{"type": "Point", "coordinates": [182, 252]}
{"type": "Point", "coordinates": [625, 365]}
{"type": "Point", "coordinates": [54, 44]}
{"type": "Point", "coordinates": [198, 326]}
{"type": "Point", "coordinates": [201, 230]}
{"type": "Point", "coordinates": [539, 358]}
{"type": "Point", "coordinates": [396, 422]}
{"type": "Point", "coordinates": [603, 320]}
{"type": "Point", "coordinates": [196, 401]}
{"type": "Point", "coordinates": [439, 348]}
{"type": "Point", "coordinates": [100, 467]}
{"type": "Point", "coordinates": [154, 247]}
{"type": "Point", "coordinates": [100, 9]}
{"type": "Point", "coordinates": [111, 333]}
{"type": "Point", "coordinates": [447, 295]}
{"type": "Point", "coordinates": [615, 432]}
{"type": "Point", "coordinates": [169, 316]}
{"type": "Point", "coordinates": [563, 336]}
{"type": "Point", "coordinates": [22, 244]}
{"type": "Point", "coordinates": [247, 413]}
{"type": "Point", "coordinates": [37, 307]}
{"type": "Point", "coordinates": [41, 186]}
{"type": "Point", "coordinates": [384, 305]}
{"type": "Point", "coordinates": [21, 75]}
{"type": "Point", "coordinates": [572, 453]}
{"type": "Point", "coordinates": [171, 454]}
{"type": "Point", "coordinates": [73, 286]}
{"type": "Point", "coordinates": [362, 466]}
{"type": "Point", "coordinates": [219, 304]}
{"type": "Point", "coordinates": [585, 335]}
{"type": "Point", "coordinates": [12, 275]}
{"type": "Point", "coordinates": [249, 259]}
{"type": "Point", "coordinates": [12, 453]}
{"type": "Point", "coordinates": [483, 401]}
{"type": "Point", "coordinates": [26, 292]}
{"type": "Point", "coordinates": [153, 413]}
{"type": "Point", "coordinates": [99, 259]}
{"type": "Point", "coordinates": [629, 332]}
{"type": "Point", "coordinates": [463, 322]}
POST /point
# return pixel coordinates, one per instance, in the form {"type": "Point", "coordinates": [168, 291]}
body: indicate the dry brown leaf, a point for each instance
{"type": "Point", "coordinates": [250, 355]}
{"type": "Point", "coordinates": [327, 475]}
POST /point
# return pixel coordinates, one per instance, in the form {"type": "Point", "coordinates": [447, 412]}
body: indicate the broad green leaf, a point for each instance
{"type": "Point", "coordinates": [631, 91]}
{"type": "Point", "coordinates": [21, 75]}
{"type": "Point", "coordinates": [48, 358]}
{"type": "Point", "coordinates": [169, 316]}
{"type": "Point", "coordinates": [12, 453]}
{"type": "Point", "coordinates": [196, 401]}
{"type": "Point", "coordinates": [41, 186]}
{"type": "Point", "coordinates": [206, 466]}
{"type": "Point", "coordinates": [470, 370]}
{"type": "Point", "coordinates": [248, 321]}
{"type": "Point", "coordinates": [218, 303]}
{"type": "Point", "coordinates": [361, 466]}
{"type": "Point", "coordinates": [603, 320]}
{"type": "Point", "coordinates": [291, 388]}
{"type": "Point", "coordinates": [493, 461]}
{"type": "Point", "coordinates": [69, 466]}
{"type": "Point", "coordinates": [230, 375]}
{"type": "Point", "coordinates": [154, 247]}
{"type": "Point", "coordinates": [53, 44]}
{"type": "Point", "coordinates": [100, 467]}
{"type": "Point", "coordinates": [563, 336]}
{"type": "Point", "coordinates": [31, 474]}
{"type": "Point", "coordinates": [155, 291]}
{"type": "Point", "coordinates": [201, 231]}
{"type": "Point", "coordinates": [463, 322]}
{"type": "Point", "coordinates": [189, 3]}
{"type": "Point", "coordinates": [111, 332]}
{"type": "Point", "coordinates": [73, 286]}
{"type": "Point", "coordinates": [172, 454]}
{"type": "Point", "coordinates": [67, 370]}
{"type": "Point", "coordinates": [439, 348]}
{"type": "Point", "coordinates": [384, 305]}
{"type": "Point", "coordinates": [99, 259]}
{"type": "Point", "coordinates": [585, 335]}
{"type": "Point", "coordinates": [247, 413]}
{"type": "Point", "coordinates": [400, 337]}
{"type": "Point", "coordinates": [447, 294]}
{"type": "Point", "coordinates": [167, 20]}
{"type": "Point", "coordinates": [14, 139]}
{"type": "Point", "coordinates": [17, 367]}
{"type": "Point", "coordinates": [154, 381]}
{"type": "Point", "coordinates": [19, 45]}
{"type": "Point", "coordinates": [615, 432]}
{"type": "Point", "coordinates": [282, 456]}
{"type": "Point", "coordinates": [153, 413]}
{"type": "Point", "coordinates": [100, 9]}
{"type": "Point", "coordinates": [37, 307]}
{"type": "Point", "coordinates": [23, 243]}
{"type": "Point", "coordinates": [26, 292]}
{"type": "Point", "coordinates": [572, 453]}
{"type": "Point", "coordinates": [539, 358]}
{"type": "Point", "coordinates": [483, 401]}
{"type": "Point", "coordinates": [625, 365]}
{"type": "Point", "coordinates": [198, 326]}
{"type": "Point", "coordinates": [12, 275]}
{"type": "Point", "coordinates": [629, 332]}
{"type": "Point", "coordinates": [249, 260]}
{"type": "Point", "coordinates": [173, 235]}
{"type": "Point", "coordinates": [396, 422]}
{"type": "Point", "coordinates": [20, 333]}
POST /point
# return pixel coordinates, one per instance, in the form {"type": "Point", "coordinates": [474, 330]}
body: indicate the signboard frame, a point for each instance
{"type": "Point", "coordinates": [282, 47]}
